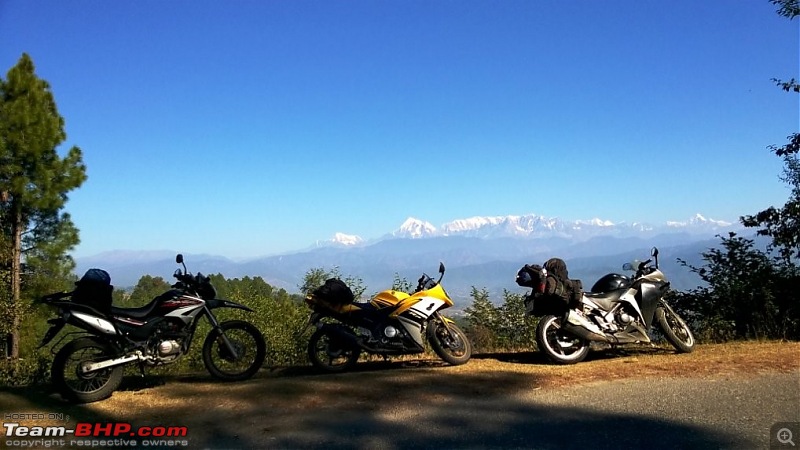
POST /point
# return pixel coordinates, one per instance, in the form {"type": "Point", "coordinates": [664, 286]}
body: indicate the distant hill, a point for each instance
{"type": "Point", "coordinates": [480, 252]}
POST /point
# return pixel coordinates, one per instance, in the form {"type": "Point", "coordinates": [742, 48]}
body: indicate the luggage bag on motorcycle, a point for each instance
{"type": "Point", "coordinates": [553, 291]}
{"type": "Point", "coordinates": [94, 289]}
{"type": "Point", "coordinates": [334, 291]}
{"type": "Point", "coordinates": [539, 302]}
{"type": "Point", "coordinates": [559, 285]}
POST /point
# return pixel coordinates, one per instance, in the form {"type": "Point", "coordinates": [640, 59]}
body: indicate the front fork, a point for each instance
{"type": "Point", "coordinates": [222, 338]}
{"type": "Point", "coordinates": [445, 322]}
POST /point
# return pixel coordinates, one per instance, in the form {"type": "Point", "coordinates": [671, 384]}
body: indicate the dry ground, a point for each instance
{"type": "Point", "coordinates": [276, 399]}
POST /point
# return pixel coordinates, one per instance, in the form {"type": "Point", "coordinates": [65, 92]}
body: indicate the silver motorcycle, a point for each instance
{"type": "Point", "coordinates": [618, 310]}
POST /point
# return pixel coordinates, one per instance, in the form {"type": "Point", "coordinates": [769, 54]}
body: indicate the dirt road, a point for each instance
{"type": "Point", "coordinates": [717, 397]}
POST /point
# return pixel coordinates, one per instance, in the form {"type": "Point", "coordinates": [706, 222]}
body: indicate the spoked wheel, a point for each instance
{"type": "Point", "coordinates": [558, 345]}
{"type": "Point", "coordinates": [73, 383]}
{"type": "Point", "coordinates": [449, 342]}
{"type": "Point", "coordinates": [330, 352]}
{"type": "Point", "coordinates": [248, 356]}
{"type": "Point", "coordinates": [675, 329]}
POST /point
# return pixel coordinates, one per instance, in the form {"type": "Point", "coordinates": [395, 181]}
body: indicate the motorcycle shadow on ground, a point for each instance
{"type": "Point", "coordinates": [133, 382]}
{"type": "Point", "coordinates": [598, 352]}
{"type": "Point", "coordinates": [376, 364]}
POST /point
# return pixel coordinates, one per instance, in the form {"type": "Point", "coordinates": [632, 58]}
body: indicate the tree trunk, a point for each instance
{"type": "Point", "coordinates": [16, 278]}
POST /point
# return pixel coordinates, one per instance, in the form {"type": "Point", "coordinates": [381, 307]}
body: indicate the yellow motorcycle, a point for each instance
{"type": "Point", "coordinates": [392, 323]}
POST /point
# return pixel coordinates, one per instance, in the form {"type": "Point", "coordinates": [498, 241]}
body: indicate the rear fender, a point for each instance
{"type": "Point", "coordinates": [56, 325]}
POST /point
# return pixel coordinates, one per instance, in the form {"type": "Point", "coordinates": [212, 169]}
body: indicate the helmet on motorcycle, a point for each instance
{"type": "Point", "coordinates": [532, 276]}
{"type": "Point", "coordinates": [611, 282]}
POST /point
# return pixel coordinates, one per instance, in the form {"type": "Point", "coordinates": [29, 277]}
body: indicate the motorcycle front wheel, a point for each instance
{"type": "Point", "coordinates": [558, 345]}
{"type": "Point", "coordinates": [82, 387]}
{"type": "Point", "coordinates": [449, 342]}
{"type": "Point", "coordinates": [330, 352]}
{"type": "Point", "coordinates": [675, 329]}
{"type": "Point", "coordinates": [248, 345]}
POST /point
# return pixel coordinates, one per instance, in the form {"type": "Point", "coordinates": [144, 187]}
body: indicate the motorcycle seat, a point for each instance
{"type": "Point", "coordinates": [134, 313]}
{"type": "Point", "coordinates": [140, 312]}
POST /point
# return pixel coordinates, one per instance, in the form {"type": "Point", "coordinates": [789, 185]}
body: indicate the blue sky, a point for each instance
{"type": "Point", "coordinates": [248, 128]}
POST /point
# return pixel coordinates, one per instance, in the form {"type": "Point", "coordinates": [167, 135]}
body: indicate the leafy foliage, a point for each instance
{"type": "Point", "coordinates": [783, 224]}
{"type": "Point", "coordinates": [748, 294]}
{"type": "Point", "coordinates": [402, 284]}
{"type": "Point", "coordinates": [146, 289]}
{"type": "Point", "coordinates": [787, 8]}
{"type": "Point", "coordinates": [504, 327]}
{"type": "Point", "coordinates": [317, 276]}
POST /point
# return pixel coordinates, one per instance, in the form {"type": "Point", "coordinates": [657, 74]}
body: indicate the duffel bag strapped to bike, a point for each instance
{"type": "Point", "coordinates": [553, 291]}
{"type": "Point", "coordinates": [334, 291]}
{"type": "Point", "coordinates": [558, 283]}
{"type": "Point", "coordinates": [94, 290]}
{"type": "Point", "coordinates": [538, 303]}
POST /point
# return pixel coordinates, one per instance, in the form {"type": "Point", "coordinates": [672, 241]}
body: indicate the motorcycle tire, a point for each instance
{"type": "Point", "coordinates": [452, 346]}
{"type": "Point", "coordinates": [82, 387]}
{"type": "Point", "coordinates": [247, 340]}
{"type": "Point", "coordinates": [559, 346]}
{"type": "Point", "coordinates": [330, 353]}
{"type": "Point", "coordinates": [675, 329]}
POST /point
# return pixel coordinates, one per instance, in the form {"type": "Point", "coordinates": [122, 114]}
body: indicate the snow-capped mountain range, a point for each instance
{"type": "Point", "coordinates": [532, 226]}
{"type": "Point", "coordinates": [478, 251]}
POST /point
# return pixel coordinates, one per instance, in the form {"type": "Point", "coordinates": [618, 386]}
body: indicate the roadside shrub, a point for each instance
{"type": "Point", "coordinates": [33, 369]}
{"type": "Point", "coordinates": [494, 328]}
{"type": "Point", "coordinates": [748, 294]}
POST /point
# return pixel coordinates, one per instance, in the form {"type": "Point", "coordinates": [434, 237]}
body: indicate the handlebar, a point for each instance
{"type": "Point", "coordinates": [186, 278]}
{"type": "Point", "coordinates": [425, 282]}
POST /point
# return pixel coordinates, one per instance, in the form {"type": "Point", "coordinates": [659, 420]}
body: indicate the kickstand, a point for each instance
{"type": "Point", "coordinates": [141, 369]}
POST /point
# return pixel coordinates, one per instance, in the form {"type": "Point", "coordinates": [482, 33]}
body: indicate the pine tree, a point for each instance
{"type": "Point", "coordinates": [34, 182]}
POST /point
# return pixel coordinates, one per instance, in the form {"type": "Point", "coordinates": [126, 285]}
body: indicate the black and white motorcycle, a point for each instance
{"type": "Point", "coordinates": [618, 310]}
{"type": "Point", "coordinates": [90, 367]}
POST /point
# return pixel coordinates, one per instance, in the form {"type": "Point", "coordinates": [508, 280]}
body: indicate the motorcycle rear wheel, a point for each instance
{"type": "Point", "coordinates": [452, 346]}
{"type": "Point", "coordinates": [558, 345]}
{"type": "Point", "coordinates": [329, 352]}
{"type": "Point", "coordinates": [675, 329]}
{"type": "Point", "coordinates": [85, 387]}
{"type": "Point", "coordinates": [246, 339]}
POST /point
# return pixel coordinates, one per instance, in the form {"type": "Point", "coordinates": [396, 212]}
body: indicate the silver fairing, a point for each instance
{"type": "Point", "coordinates": [655, 275]}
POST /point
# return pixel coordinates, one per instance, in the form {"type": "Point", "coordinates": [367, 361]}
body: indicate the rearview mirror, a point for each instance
{"type": "Point", "coordinates": [441, 268]}
{"type": "Point", "coordinates": [179, 259]}
{"type": "Point", "coordinates": [627, 266]}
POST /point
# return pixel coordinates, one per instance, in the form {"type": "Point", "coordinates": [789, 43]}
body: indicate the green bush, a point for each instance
{"type": "Point", "coordinates": [748, 294]}
{"type": "Point", "coordinates": [494, 328]}
{"type": "Point", "coordinates": [28, 370]}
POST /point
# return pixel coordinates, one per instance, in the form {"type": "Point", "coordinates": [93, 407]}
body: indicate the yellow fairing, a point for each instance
{"type": "Point", "coordinates": [435, 292]}
{"type": "Point", "coordinates": [388, 298]}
